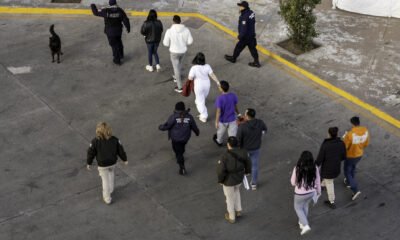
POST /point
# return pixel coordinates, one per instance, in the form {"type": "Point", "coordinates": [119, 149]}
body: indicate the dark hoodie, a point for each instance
{"type": "Point", "coordinates": [330, 156]}
{"type": "Point", "coordinates": [180, 125]}
{"type": "Point", "coordinates": [232, 167]}
{"type": "Point", "coordinates": [250, 133]}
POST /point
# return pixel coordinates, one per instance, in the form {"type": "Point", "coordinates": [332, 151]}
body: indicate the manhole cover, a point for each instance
{"type": "Point", "coordinates": [66, 1]}
{"type": "Point", "coordinates": [194, 23]}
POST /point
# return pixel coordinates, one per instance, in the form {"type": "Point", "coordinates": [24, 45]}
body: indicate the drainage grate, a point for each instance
{"type": "Point", "coordinates": [66, 1]}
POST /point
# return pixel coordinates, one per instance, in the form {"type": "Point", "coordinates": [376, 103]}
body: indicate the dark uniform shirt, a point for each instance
{"type": "Point", "coordinates": [113, 16]}
{"type": "Point", "coordinates": [247, 22]}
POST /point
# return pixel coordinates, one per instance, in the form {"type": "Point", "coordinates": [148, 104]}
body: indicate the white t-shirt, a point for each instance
{"type": "Point", "coordinates": [200, 74]}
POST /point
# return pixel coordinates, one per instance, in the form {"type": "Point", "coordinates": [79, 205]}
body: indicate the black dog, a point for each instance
{"type": "Point", "coordinates": [55, 44]}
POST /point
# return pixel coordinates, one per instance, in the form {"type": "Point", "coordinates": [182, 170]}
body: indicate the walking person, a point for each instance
{"type": "Point", "coordinates": [114, 16]}
{"type": "Point", "coordinates": [250, 135]}
{"type": "Point", "coordinates": [201, 73]}
{"type": "Point", "coordinates": [177, 38]}
{"type": "Point", "coordinates": [247, 35]}
{"type": "Point", "coordinates": [106, 149]}
{"type": "Point", "coordinates": [180, 125]}
{"type": "Point", "coordinates": [306, 180]}
{"type": "Point", "coordinates": [356, 140]}
{"type": "Point", "coordinates": [226, 114]}
{"type": "Point", "coordinates": [330, 157]}
{"type": "Point", "coordinates": [231, 169]}
{"type": "Point", "coordinates": [152, 29]}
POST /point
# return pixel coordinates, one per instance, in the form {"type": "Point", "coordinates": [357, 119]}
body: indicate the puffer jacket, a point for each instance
{"type": "Point", "coordinates": [152, 30]}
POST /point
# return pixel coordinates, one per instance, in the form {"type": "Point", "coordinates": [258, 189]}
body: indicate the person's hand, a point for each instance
{"type": "Point", "coordinates": [128, 31]}
{"type": "Point", "coordinates": [126, 162]}
{"type": "Point", "coordinates": [88, 167]}
{"type": "Point", "coordinates": [216, 124]}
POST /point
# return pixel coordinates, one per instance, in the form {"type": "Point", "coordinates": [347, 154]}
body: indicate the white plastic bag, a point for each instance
{"type": "Point", "coordinates": [246, 183]}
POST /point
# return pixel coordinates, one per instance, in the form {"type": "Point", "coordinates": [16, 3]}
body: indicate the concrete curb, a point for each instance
{"type": "Point", "coordinates": [323, 83]}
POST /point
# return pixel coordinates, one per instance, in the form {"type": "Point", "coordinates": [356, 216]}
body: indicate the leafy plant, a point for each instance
{"type": "Point", "coordinates": [299, 17]}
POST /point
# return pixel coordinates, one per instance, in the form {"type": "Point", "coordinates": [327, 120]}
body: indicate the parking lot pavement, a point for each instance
{"type": "Point", "coordinates": [49, 113]}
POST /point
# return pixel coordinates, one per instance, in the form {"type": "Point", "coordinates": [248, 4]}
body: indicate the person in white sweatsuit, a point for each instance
{"type": "Point", "coordinates": [177, 38]}
{"type": "Point", "coordinates": [200, 73]}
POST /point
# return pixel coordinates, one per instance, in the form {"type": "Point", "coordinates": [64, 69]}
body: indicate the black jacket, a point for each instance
{"type": "Point", "coordinates": [180, 125]}
{"type": "Point", "coordinates": [105, 151]}
{"type": "Point", "coordinates": [232, 167]}
{"type": "Point", "coordinates": [247, 25]}
{"type": "Point", "coordinates": [152, 30]}
{"type": "Point", "coordinates": [250, 133]}
{"type": "Point", "coordinates": [331, 153]}
{"type": "Point", "coordinates": [113, 16]}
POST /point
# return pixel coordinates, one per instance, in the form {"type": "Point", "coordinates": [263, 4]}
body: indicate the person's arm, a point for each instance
{"type": "Point", "coordinates": [126, 22]}
{"type": "Point", "coordinates": [293, 178]}
{"type": "Point", "coordinates": [189, 39]}
{"type": "Point", "coordinates": [221, 171]}
{"type": "Point", "coordinates": [217, 115]}
{"type": "Point", "coordinates": [321, 155]}
{"type": "Point", "coordinates": [237, 110]}
{"type": "Point", "coordinates": [318, 182]}
{"type": "Point", "coordinates": [343, 152]}
{"type": "Point", "coordinates": [191, 74]}
{"type": "Point", "coordinates": [167, 125]}
{"type": "Point", "coordinates": [264, 128]}
{"type": "Point", "coordinates": [121, 153]}
{"type": "Point", "coordinates": [143, 29]}
{"type": "Point", "coordinates": [96, 12]}
{"type": "Point", "coordinates": [91, 153]}
{"type": "Point", "coordinates": [243, 27]}
{"type": "Point", "coordinates": [193, 126]}
{"type": "Point", "coordinates": [348, 140]}
{"type": "Point", "coordinates": [367, 141]}
{"type": "Point", "coordinates": [247, 169]}
{"type": "Point", "coordinates": [214, 78]}
{"type": "Point", "coordinates": [167, 39]}
{"type": "Point", "coordinates": [239, 135]}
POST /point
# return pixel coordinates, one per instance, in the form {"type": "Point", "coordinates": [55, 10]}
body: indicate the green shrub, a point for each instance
{"type": "Point", "coordinates": [298, 15]}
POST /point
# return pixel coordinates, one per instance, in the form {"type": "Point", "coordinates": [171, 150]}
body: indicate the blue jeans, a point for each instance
{"type": "Point", "coordinates": [254, 156]}
{"type": "Point", "coordinates": [152, 50]}
{"type": "Point", "coordinates": [350, 172]}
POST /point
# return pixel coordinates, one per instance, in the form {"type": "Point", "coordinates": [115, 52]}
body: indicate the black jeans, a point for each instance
{"type": "Point", "coordinates": [179, 150]}
{"type": "Point", "coordinates": [251, 43]}
{"type": "Point", "coordinates": [117, 47]}
{"type": "Point", "coordinates": [152, 50]}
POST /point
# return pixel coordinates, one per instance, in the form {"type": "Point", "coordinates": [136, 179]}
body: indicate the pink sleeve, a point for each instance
{"type": "Point", "coordinates": [293, 178]}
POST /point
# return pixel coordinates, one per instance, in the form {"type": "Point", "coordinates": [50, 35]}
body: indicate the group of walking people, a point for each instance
{"type": "Point", "coordinates": [245, 133]}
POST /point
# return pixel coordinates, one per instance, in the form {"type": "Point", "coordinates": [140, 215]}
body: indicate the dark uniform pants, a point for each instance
{"type": "Point", "coordinates": [117, 47]}
{"type": "Point", "coordinates": [251, 43]}
{"type": "Point", "coordinates": [179, 150]}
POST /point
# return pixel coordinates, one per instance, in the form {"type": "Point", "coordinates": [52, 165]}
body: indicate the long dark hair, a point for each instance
{"type": "Point", "coordinates": [306, 171]}
{"type": "Point", "coordinates": [199, 59]}
{"type": "Point", "coordinates": [152, 15]}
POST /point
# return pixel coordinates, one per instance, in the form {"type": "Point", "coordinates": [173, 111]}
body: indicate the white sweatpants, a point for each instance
{"type": "Point", "coordinates": [201, 91]}
{"type": "Point", "coordinates": [107, 180]}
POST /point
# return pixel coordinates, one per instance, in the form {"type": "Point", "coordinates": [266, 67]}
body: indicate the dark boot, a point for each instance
{"type": "Point", "coordinates": [230, 58]}
{"type": "Point", "coordinates": [255, 64]}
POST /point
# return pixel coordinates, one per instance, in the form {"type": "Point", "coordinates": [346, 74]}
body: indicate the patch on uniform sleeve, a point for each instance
{"type": "Point", "coordinates": [120, 143]}
{"type": "Point", "coordinates": [219, 161]}
{"type": "Point", "coordinates": [244, 22]}
{"type": "Point", "coordinates": [90, 145]}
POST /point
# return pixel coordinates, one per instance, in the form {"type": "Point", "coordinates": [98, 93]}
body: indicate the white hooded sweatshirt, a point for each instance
{"type": "Point", "coordinates": [177, 38]}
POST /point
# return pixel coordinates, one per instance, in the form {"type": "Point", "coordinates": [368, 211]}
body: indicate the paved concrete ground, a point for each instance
{"type": "Point", "coordinates": [48, 117]}
{"type": "Point", "coordinates": [359, 53]}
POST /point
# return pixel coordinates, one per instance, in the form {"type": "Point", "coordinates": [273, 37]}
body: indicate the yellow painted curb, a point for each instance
{"type": "Point", "coordinates": [66, 11]}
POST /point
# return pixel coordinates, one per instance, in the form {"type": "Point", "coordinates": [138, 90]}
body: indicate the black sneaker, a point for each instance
{"type": "Point", "coordinates": [329, 204]}
{"type": "Point", "coordinates": [230, 58]}
{"type": "Point", "coordinates": [254, 64]}
{"type": "Point", "coordinates": [215, 140]}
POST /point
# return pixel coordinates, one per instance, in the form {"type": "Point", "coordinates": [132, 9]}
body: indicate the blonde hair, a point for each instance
{"type": "Point", "coordinates": [103, 131]}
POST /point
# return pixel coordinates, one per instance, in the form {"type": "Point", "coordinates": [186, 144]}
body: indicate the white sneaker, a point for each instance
{"type": "Point", "coordinates": [305, 230]}
{"type": "Point", "coordinates": [355, 195]}
{"type": "Point", "coordinates": [204, 120]}
{"type": "Point", "coordinates": [149, 68]}
{"type": "Point", "coordinates": [158, 67]}
{"type": "Point", "coordinates": [173, 76]}
{"type": "Point", "coordinates": [301, 226]}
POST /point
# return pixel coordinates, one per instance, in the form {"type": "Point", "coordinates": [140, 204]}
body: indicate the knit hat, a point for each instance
{"type": "Point", "coordinates": [112, 2]}
{"type": "Point", "coordinates": [180, 106]}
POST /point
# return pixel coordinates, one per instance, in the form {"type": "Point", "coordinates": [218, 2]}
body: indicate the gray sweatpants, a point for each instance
{"type": "Point", "coordinates": [301, 206]}
{"type": "Point", "coordinates": [232, 128]}
{"type": "Point", "coordinates": [176, 60]}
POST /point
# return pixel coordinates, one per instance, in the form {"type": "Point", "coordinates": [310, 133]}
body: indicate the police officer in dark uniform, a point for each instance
{"type": "Point", "coordinates": [114, 16]}
{"type": "Point", "coordinates": [247, 35]}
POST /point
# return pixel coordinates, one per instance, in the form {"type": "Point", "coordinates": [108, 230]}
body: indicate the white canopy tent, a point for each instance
{"type": "Point", "coordinates": [382, 8]}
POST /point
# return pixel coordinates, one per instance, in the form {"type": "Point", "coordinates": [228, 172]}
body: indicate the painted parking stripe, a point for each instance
{"type": "Point", "coordinates": [323, 83]}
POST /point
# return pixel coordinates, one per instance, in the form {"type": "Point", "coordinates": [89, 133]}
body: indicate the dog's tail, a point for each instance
{"type": "Point", "coordinates": [53, 33]}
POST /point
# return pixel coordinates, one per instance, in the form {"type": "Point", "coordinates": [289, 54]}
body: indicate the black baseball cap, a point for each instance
{"type": "Point", "coordinates": [243, 4]}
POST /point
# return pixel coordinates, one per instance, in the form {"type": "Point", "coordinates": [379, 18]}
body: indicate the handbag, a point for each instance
{"type": "Point", "coordinates": [187, 88]}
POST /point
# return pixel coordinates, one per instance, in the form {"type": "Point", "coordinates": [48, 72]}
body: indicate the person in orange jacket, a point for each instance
{"type": "Point", "coordinates": [356, 140]}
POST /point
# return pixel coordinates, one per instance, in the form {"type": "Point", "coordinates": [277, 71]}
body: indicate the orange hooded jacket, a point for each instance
{"type": "Point", "coordinates": [356, 140]}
